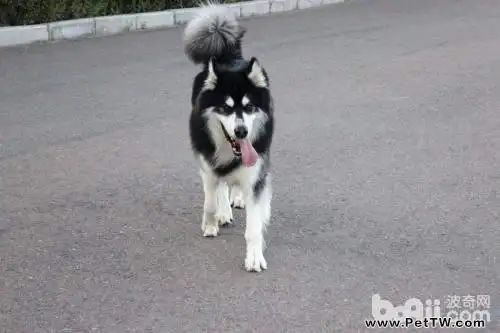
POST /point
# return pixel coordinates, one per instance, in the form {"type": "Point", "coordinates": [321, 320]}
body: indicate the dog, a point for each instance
{"type": "Point", "coordinates": [231, 128]}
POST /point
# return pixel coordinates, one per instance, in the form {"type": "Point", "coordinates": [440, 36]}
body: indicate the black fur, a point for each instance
{"type": "Point", "coordinates": [232, 81]}
{"type": "Point", "coordinates": [232, 71]}
{"type": "Point", "coordinates": [229, 93]}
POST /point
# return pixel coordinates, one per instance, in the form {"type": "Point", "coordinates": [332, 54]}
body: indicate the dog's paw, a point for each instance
{"type": "Point", "coordinates": [209, 226]}
{"type": "Point", "coordinates": [254, 261]}
{"type": "Point", "coordinates": [210, 230]}
{"type": "Point", "coordinates": [224, 221]}
{"type": "Point", "coordinates": [224, 216]}
{"type": "Point", "coordinates": [237, 200]}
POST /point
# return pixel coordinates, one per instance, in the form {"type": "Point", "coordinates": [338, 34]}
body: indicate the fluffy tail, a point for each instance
{"type": "Point", "coordinates": [213, 32]}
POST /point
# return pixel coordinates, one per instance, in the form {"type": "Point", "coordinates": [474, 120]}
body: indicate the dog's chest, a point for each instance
{"type": "Point", "coordinates": [224, 153]}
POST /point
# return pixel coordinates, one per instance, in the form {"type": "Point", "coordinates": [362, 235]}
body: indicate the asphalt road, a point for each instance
{"type": "Point", "coordinates": [386, 176]}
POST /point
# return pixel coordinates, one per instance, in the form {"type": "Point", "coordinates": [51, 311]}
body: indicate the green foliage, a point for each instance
{"type": "Point", "coordinates": [22, 12]}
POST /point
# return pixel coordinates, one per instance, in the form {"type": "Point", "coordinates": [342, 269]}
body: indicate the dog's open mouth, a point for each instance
{"type": "Point", "coordinates": [236, 147]}
{"type": "Point", "coordinates": [242, 148]}
{"type": "Point", "coordinates": [234, 144]}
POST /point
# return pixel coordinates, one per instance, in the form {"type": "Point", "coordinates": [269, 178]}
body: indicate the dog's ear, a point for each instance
{"type": "Point", "coordinates": [211, 79]}
{"type": "Point", "coordinates": [256, 74]}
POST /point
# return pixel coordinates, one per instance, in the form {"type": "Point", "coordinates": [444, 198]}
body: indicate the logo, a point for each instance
{"type": "Point", "coordinates": [456, 311]}
{"type": "Point", "coordinates": [413, 308]}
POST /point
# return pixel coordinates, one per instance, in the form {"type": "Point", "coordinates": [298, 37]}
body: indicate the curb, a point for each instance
{"type": "Point", "coordinates": [116, 24]}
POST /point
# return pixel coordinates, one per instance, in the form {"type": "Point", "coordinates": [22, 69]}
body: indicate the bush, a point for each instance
{"type": "Point", "coordinates": [21, 12]}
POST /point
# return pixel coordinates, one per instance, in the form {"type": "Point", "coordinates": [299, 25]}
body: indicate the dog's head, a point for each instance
{"type": "Point", "coordinates": [239, 98]}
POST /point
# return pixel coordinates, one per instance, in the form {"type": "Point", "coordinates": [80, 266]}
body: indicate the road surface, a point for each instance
{"type": "Point", "coordinates": [386, 176]}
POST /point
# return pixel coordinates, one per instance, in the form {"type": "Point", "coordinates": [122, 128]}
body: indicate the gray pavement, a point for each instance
{"type": "Point", "coordinates": [386, 176]}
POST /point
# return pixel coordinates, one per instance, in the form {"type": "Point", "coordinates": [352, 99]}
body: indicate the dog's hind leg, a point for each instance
{"type": "Point", "coordinates": [237, 200]}
{"type": "Point", "coordinates": [258, 212]}
{"type": "Point", "coordinates": [223, 212]}
{"type": "Point", "coordinates": [209, 224]}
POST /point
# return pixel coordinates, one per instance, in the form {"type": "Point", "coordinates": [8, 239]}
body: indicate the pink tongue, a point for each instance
{"type": "Point", "coordinates": [248, 154]}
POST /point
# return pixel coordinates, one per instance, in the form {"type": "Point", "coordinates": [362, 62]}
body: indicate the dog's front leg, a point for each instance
{"type": "Point", "coordinates": [209, 224]}
{"type": "Point", "coordinates": [223, 212]}
{"type": "Point", "coordinates": [258, 210]}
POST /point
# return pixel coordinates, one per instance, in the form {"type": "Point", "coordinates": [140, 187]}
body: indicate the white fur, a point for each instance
{"type": "Point", "coordinates": [224, 151]}
{"type": "Point", "coordinates": [237, 200]}
{"type": "Point", "coordinates": [228, 121]}
{"type": "Point", "coordinates": [257, 76]}
{"type": "Point", "coordinates": [258, 211]}
{"type": "Point", "coordinates": [257, 215]}
{"type": "Point", "coordinates": [253, 122]}
{"type": "Point", "coordinates": [257, 120]}
{"type": "Point", "coordinates": [213, 32]}
{"type": "Point", "coordinates": [229, 102]}
{"type": "Point", "coordinates": [217, 207]}
{"type": "Point", "coordinates": [209, 225]}
{"type": "Point", "coordinates": [223, 212]}
{"type": "Point", "coordinates": [211, 80]}
{"type": "Point", "coordinates": [245, 100]}
{"type": "Point", "coordinates": [249, 121]}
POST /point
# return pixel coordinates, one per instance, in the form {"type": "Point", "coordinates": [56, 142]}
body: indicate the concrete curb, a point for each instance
{"type": "Point", "coordinates": [116, 24]}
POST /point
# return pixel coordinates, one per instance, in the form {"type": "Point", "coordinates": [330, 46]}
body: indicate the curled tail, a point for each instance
{"type": "Point", "coordinates": [213, 32]}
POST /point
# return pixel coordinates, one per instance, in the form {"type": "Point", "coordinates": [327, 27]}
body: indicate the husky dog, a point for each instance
{"type": "Point", "coordinates": [231, 127]}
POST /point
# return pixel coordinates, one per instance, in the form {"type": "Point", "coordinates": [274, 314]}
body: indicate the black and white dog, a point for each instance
{"type": "Point", "coordinates": [231, 128]}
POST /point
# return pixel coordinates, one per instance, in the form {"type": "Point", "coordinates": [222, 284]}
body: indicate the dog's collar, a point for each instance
{"type": "Point", "coordinates": [232, 142]}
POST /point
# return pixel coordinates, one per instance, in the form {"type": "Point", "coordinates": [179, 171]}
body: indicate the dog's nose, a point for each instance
{"type": "Point", "coordinates": [241, 132]}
